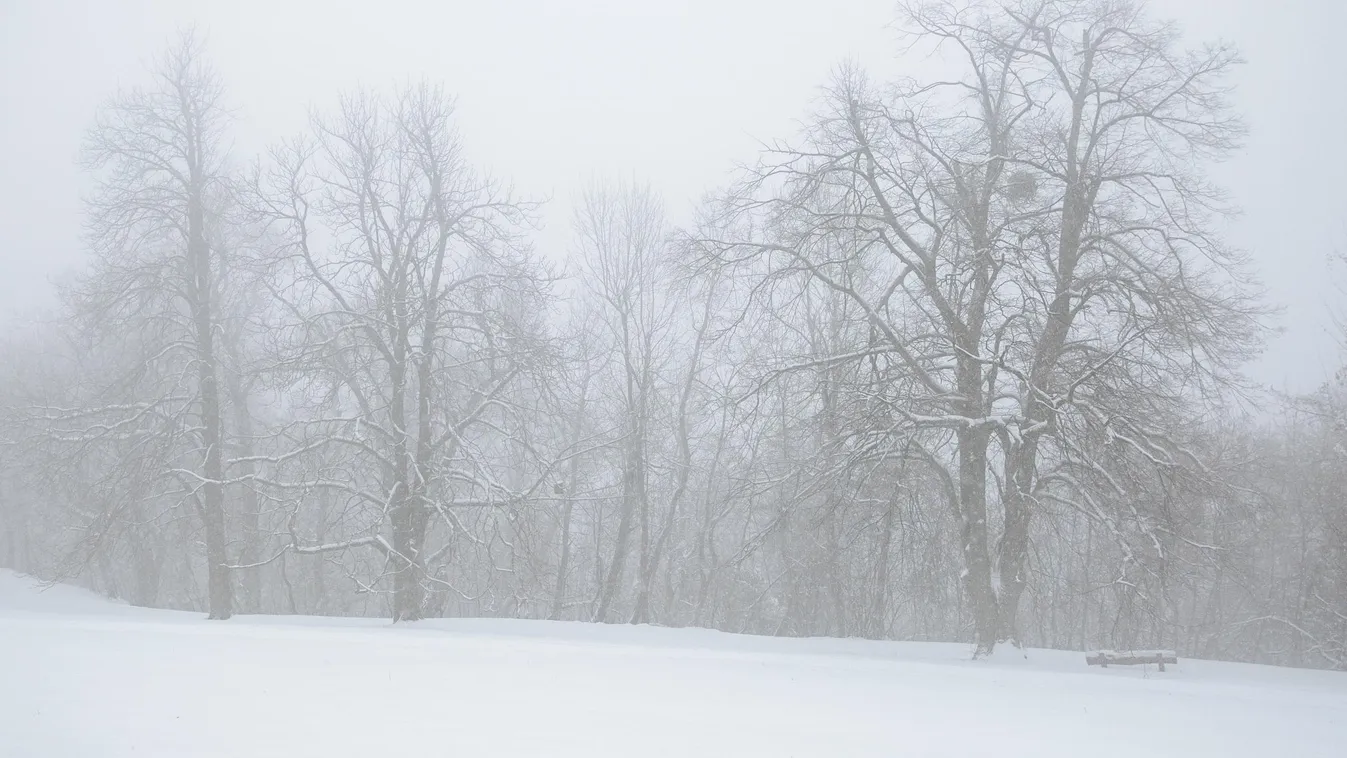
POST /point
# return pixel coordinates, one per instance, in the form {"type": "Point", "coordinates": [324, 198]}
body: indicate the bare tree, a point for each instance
{"type": "Point", "coordinates": [587, 363]}
{"type": "Point", "coordinates": [150, 301]}
{"type": "Point", "coordinates": [621, 234]}
{"type": "Point", "coordinates": [1032, 244]}
{"type": "Point", "coordinates": [959, 363]}
{"type": "Point", "coordinates": [416, 306]}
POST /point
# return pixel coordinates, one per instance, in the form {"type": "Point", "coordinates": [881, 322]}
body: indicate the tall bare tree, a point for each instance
{"type": "Point", "coordinates": [150, 302]}
{"type": "Point", "coordinates": [416, 305]}
{"type": "Point", "coordinates": [621, 233]}
{"type": "Point", "coordinates": [1033, 244]}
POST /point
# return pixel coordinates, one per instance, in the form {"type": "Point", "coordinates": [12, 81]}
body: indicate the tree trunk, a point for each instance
{"type": "Point", "coordinates": [221, 596]}
{"type": "Point", "coordinates": [630, 484]}
{"type": "Point", "coordinates": [973, 517]}
{"type": "Point", "coordinates": [567, 504]}
{"type": "Point", "coordinates": [641, 606]}
{"type": "Point", "coordinates": [249, 515]}
{"type": "Point", "coordinates": [1013, 553]}
{"type": "Point", "coordinates": [408, 594]}
{"type": "Point", "coordinates": [408, 533]}
{"type": "Point", "coordinates": [878, 626]}
{"type": "Point", "coordinates": [563, 563]}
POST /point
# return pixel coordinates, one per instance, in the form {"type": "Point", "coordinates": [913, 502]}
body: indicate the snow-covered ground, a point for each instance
{"type": "Point", "coordinates": [84, 677]}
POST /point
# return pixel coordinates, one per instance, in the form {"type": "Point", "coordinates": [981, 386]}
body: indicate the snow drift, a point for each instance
{"type": "Point", "coordinates": [84, 676]}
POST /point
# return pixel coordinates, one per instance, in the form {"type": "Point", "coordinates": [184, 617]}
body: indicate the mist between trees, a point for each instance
{"type": "Point", "coordinates": [958, 361]}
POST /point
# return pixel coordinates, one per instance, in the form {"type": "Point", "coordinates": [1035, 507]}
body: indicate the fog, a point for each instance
{"type": "Point", "coordinates": [962, 337]}
{"type": "Point", "coordinates": [552, 94]}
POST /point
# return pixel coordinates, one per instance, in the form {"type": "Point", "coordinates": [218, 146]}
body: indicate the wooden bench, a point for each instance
{"type": "Point", "coordinates": [1106, 658]}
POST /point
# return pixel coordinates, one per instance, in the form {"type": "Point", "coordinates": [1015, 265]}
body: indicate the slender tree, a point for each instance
{"type": "Point", "coordinates": [149, 305]}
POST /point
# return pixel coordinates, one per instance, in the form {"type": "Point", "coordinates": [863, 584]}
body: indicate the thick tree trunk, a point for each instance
{"type": "Point", "coordinates": [1013, 552]}
{"type": "Point", "coordinates": [409, 522]}
{"type": "Point", "coordinates": [217, 570]}
{"type": "Point", "coordinates": [212, 496]}
{"type": "Point", "coordinates": [248, 516]}
{"type": "Point", "coordinates": [408, 593]}
{"type": "Point", "coordinates": [640, 608]}
{"type": "Point", "coordinates": [879, 624]}
{"type": "Point", "coordinates": [221, 592]}
{"type": "Point", "coordinates": [631, 480]}
{"type": "Point", "coordinates": [973, 517]}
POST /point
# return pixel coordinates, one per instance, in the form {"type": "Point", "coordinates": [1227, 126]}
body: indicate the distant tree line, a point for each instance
{"type": "Point", "coordinates": [959, 361]}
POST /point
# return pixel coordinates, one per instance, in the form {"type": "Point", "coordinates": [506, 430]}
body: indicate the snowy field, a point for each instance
{"type": "Point", "coordinates": [83, 677]}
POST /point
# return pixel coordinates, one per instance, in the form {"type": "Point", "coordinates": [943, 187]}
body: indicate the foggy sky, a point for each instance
{"type": "Point", "coordinates": [554, 93]}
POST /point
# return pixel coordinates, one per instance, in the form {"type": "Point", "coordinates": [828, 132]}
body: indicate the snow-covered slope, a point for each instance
{"type": "Point", "coordinates": [82, 676]}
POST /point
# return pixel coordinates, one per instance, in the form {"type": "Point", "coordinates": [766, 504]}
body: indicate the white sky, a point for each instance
{"type": "Point", "coordinates": [553, 93]}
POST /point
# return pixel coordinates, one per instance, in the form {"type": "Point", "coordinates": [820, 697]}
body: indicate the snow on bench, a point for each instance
{"type": "Point", "coordinates": [1103, 658]}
